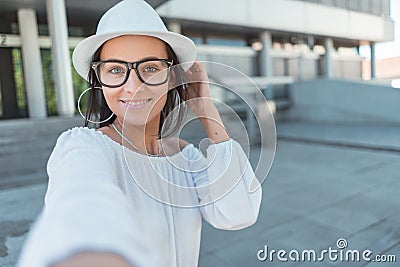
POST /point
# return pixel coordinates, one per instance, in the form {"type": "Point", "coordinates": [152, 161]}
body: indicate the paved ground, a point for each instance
{"type": "Point", "coordinates": [327, 182]}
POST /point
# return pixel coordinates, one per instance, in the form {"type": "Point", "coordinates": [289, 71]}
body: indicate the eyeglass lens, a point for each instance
{"type": "Point", "coordinates": [152, 72]}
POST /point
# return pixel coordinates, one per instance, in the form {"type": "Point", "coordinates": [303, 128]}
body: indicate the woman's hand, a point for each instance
{"type": "Point", "coordinates": [198, 91]}
{"type": "Point", "coordinates": [98, 259]}
{"type": "Point", "coordinates": [199, 101]}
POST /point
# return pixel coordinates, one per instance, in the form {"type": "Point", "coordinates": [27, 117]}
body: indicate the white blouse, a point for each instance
{"type": "Point", "coordinates": [104, 197]}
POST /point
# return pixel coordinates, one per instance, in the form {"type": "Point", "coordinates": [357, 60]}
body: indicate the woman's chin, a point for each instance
{"type": "Point", "coordinates": [133, 120]}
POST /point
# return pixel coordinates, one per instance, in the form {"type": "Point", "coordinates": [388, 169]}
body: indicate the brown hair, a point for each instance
{"type": "Point", "coordinates": [97, 106]}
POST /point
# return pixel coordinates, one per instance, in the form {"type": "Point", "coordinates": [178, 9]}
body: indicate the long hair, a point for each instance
{"type": "Point", "coordinates": [98, 110]}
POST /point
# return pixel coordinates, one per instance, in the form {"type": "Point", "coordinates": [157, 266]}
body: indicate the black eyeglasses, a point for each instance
{"type": "Point", "coordinates": [114, 73]}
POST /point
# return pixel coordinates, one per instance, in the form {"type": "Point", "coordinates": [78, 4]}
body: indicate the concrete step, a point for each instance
{"type": "Point", "coordinates": [17, 146]}
{"type": "Point", "coordinates": [23, 164]}
{"type": "Point", "coordinates": [35, 177]}
{"type": "Point", "coordinates": [26, 128]}
{"type": "Point", "coordinates": [25, 146]}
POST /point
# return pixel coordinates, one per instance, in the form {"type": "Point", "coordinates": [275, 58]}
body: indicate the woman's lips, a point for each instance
{"type": "Point", "coordinates": [134, 105]}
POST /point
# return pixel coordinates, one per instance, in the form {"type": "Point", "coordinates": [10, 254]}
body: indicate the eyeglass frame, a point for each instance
{"type": "Point", "coordinates": [131, 65]}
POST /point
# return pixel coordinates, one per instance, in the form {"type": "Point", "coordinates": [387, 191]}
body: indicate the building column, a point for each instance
{"type": "Point", "coordinates": [174, 26]}
{"type": "Point", "coordinates": [265, 57]}
{"type": "Point", "coordinates": [57, 21]}
{"type": "Point", "coordinates": [373, 60]}
{"type": "Point", "coordinates": [32, 63]}
{"type": "Point", "coordinates": [328, 58]}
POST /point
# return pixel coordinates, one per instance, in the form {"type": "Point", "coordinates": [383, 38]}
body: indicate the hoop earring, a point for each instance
{"type": "Point", "coordinates": [79, 106]}
{"type": "Point", "coordinates": [177, 98]}
{"type": "Point", "coordinates": [163, 113]}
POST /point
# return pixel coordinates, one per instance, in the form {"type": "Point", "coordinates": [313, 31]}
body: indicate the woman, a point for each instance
{"type": "Point", "coordinates": [121, 195]}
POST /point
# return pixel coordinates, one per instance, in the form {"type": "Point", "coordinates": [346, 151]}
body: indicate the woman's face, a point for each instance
{"type": "Point", "coordinates": [134, 102]}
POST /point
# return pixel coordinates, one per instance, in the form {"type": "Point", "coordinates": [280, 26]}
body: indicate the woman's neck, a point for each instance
{"type": "Point", "coordinates": [144, 139]}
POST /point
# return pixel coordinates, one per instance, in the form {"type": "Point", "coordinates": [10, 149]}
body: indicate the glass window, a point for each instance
{"type": "Point", "coordinates": [342, 3]}
{"type": "Point", "coordinates": [376, 7]}
{"type": "Point", "coordinates": [79, 84]}
{"type": "Point", "coordinates": [385, 6]}
{"type": "Point", "coordinates": [1, 103]}
{"type": "Point", "coordinates": [353, 5]}
{"type": "Point", "coordinates": [364, 6]}
{"type": "Point", "coordinates": [196, 39]}
{"type": "Point", "coordinates": [328, 2]}
{"type": "Point", "coordinates": [48, 80]}
{"type": "Point", "coordinates": [19, 82]}
{"type": "Point", "coordinates": [227, 42]}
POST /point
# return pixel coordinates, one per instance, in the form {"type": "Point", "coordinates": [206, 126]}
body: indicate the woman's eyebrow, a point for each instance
{"type": "Point", "coordinates": [145, 58]}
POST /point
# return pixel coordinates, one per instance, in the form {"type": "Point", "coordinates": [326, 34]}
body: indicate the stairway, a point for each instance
{"type": "Point", "coordinates": [25, 146]}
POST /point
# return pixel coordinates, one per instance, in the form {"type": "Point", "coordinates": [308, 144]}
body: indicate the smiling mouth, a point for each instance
{"type": "Point", "coordinates": [135, 104]}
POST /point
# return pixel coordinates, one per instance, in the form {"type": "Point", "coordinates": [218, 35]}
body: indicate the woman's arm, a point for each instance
{"type": "Point", "coordinates": [223, 186]}
{"type": "Point", "coordinates": [85, 210]}
{"type": "Point", "coordinates": [213, 125]}
{"type": "Point", "coordinates": [200, 102]}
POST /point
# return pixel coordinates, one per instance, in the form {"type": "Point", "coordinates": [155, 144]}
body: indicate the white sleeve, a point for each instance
{"type": "Point", "coordinates": [84, 209]}
{"type": "Point", "coordinates": [222, 183]}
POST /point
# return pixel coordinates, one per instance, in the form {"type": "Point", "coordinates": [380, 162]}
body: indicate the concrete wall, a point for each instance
{"type": "Point", "coordinates": [241, 58]}
{"type": "Point", "coordinates": [344, 66]}
{"type": "Point", "coordinates": [343, 101]}
{"type": "Point", "coordinates": [303, 65]}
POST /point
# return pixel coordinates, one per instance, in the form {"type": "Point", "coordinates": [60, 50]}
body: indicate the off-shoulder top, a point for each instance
{"type": "Point", "coordinates": [103, 197]}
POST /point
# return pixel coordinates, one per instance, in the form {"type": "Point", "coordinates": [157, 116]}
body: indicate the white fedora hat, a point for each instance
{"type": "Point", "coordinates": [131, 17]}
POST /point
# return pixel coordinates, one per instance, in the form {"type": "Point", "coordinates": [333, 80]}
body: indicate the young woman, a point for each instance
{"type": "Point", "coordinates": [121, 194]}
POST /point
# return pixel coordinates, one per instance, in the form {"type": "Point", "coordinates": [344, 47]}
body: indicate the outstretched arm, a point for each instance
{"type": "Point", "coordinates": [87, 217]}
{"type": "Point", "coordinates": [94, 259]}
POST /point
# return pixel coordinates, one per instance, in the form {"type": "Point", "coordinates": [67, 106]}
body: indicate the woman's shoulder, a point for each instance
{"type": "Point", "coordinates": [175, 141]}
{"type": "Point", "coordinates": [78, 131]}
{"type": "Point", "coordinates": [79, 136]}
{"type": "Point", "coordinates": [77, 144]}
{"type": "Point", "coordinates": [173, 145]}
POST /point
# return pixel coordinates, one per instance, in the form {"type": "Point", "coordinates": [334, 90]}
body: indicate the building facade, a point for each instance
{"type": "Point", "coordinates": [303, 39]}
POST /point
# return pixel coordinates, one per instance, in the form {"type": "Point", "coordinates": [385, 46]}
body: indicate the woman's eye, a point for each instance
{"type": "Point", "coordinates": [116, 71]}
{"type": "Point", "coordinates": [150, 69]}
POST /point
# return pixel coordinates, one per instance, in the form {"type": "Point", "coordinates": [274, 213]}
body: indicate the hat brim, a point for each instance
{"type": "Point", "coordinates": [183, 47]}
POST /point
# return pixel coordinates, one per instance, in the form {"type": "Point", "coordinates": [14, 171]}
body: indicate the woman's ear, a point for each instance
{"type": "Point", "coordinates": [177, 77]}
{"type": "Point", "coordinates": [180, 77]}
{"type": "Point", "coordinates": [172, 79]}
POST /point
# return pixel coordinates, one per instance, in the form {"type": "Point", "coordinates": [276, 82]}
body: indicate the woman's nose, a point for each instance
{"type": "Point", "coordinates": [133, 83]}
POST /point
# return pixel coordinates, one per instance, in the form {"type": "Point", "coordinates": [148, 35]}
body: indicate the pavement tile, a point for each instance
{"type": "Point", "coordinates": [345, 218]}
{"type": "Point", "coordinates": [210, 259]}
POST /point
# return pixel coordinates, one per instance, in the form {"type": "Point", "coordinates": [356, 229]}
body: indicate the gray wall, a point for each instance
{"type": "Point", "coordinates": [309, 66]}
{"type": "Point", "coordinates": [343, 101]}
